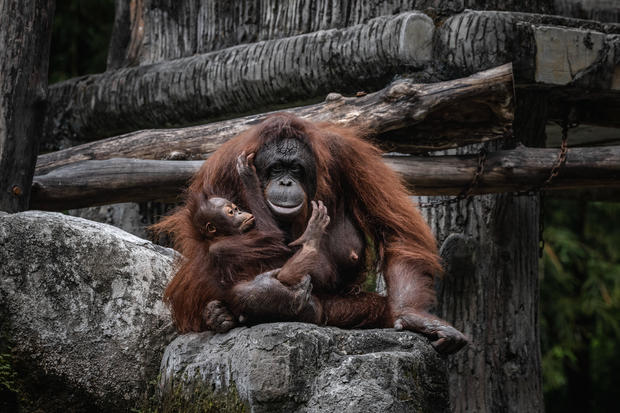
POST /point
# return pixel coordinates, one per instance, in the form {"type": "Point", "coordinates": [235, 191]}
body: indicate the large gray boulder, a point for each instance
{"type": "Point", "coordinates": [296, 367]}
{"type": "Point", "coordinates": [81, 310]}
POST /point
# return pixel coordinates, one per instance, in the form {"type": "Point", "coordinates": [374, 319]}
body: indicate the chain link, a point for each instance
{"type": "Point", "coordinates": [467, 191]}
{"type": "Point", "coordinates": [559, 162]}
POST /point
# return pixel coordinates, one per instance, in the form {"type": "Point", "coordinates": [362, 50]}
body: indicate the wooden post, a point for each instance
{"type": "Point", "coordinates": [25, 28]}
{"type": "Point", "coordinates": [490, 289]}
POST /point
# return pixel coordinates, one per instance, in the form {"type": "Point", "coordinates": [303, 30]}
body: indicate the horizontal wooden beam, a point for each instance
{"type": "Point", "coordinates": [599, 10]}
{"type": "Point", "coordinates": [91, 183]}
{"type": "Point", "coordinates": [238, 79]}
{"type": "Point", "coordinates": [445, 114]}
{"type": "Point", "coordinates": [548, 51]}
{"type": "Point", "coordinates": [511, 170]}
{"type": "Point", "coordinates": [217, 26]}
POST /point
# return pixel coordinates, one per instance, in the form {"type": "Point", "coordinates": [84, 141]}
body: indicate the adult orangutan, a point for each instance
{"type": "Point", "coordinates": [298, 161]}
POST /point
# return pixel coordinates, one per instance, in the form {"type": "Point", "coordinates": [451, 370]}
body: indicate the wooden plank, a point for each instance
{"type": "Point", "coordinates": [91, 183]}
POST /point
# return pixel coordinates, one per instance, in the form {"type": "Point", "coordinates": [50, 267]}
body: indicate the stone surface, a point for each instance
{"type": "Point", "coordinates": [80, 304]}
{"type": "Point", "coordinates": [296, 367]}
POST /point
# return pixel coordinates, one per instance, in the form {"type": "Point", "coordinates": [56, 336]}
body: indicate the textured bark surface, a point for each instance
{"type": "Point", "coordinates": [239, 79]}
{"type": "Point", "coordinates": [91, 183]}
{"type": "Point", "coordinates": [126, 26]}
{"type": "Point", "coordinates": [25, 32]}
{"type": "Point", "coordinates": [180, 28]}
{"type": "Point", "coordinates": [546, 50]}
{"type": "Point", "coordinates": [445, 114]}
{"type": "Point", "coordinates": [490, 290]}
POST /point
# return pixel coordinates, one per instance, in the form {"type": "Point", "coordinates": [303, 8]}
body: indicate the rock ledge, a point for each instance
{"type": "Point", "coordinates": [296, 367]}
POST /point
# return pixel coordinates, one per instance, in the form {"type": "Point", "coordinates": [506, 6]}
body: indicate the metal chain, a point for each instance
{"type": "Point", "coordinates": [467, 191]}
{"type": "Point", "coordinates": [555, 170]}
{"type": "Point", "coordinates": [559, 162]}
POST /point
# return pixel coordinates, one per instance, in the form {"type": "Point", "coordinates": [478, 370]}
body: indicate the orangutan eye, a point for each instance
{"type": "Point", "coordinates": [230, 211]}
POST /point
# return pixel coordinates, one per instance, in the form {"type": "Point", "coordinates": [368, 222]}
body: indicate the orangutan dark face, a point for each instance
{"type": "Point", "coordinates": [287, 172]}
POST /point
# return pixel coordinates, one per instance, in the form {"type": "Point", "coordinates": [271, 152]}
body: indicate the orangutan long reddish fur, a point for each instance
{"type": "Point", "coordinates": [349, 169]}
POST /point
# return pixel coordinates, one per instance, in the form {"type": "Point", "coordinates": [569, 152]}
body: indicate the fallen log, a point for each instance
{"type": "Point", "coordinates": [446, 114]}
{"type": "Point", "coordinates": [91, 183]}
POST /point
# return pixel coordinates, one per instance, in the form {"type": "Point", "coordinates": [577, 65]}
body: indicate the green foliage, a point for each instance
{"type": "Point", "coordinates": [580, 305]}
{"type": "Point", "coordinates": [80, 38]}
{"type": "Point", "coordinates": [202, 399]}
{"type": "Point", "coordinates": [9, 392]}
{"type": "Point", "coordinates": [7, 374]}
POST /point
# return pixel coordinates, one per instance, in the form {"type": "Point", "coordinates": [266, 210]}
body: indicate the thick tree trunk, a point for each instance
{"type": "Point", "coordinates": [91, 183]}
{"type": "Point", "coordinates": [490, 290]}
{"type": "Point", "coordinates": [25, 32]}
{"type": "Point", "coordinates": [126, 27]}
{"type": "Point", "coordinates": [445, 114]}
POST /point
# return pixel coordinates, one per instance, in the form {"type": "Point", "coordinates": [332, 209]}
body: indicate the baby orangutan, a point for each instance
{"type": "Point", "coordinates": [242, 245]}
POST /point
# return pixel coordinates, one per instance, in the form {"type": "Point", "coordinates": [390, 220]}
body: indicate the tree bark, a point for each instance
{"type": "Point", "coordinates": [181, 28]}
{"type": "Point", "coordinates": [238, 79]}
{"type": "Point", "coordinates": [127, 25]}
{"type": "Point", "coordinates": [91, 183]}
{"type": "Point", "coordinates": [579, 55]}
{"type": "Point", "coordinates": [445, 114]}
{"type": "Point", "coordinates": [490, 289]}
{"type": "Point", "coordinates": [545, 50]}
{"type": "Point", "coordinates": [25, 32]}
{"type": "Point", "coordinates": [490, 292]}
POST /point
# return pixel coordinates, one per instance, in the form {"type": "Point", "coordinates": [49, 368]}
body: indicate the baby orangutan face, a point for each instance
{"type": "Point", "coordinates": [221, 217]}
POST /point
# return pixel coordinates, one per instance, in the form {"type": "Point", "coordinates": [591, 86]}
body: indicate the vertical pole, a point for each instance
{"type": "Point", "coordinates": [25, 33]}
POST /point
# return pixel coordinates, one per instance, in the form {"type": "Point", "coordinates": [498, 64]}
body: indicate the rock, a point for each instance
{"type": "Point", "coordinates": [81, 310]}
{"type": "Point", "coordinates": [296, 367]}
